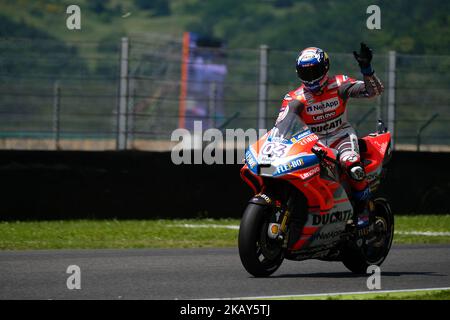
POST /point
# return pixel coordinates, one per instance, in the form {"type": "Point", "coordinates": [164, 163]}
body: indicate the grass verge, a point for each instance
{"type": "Point", "coordinates": [422, 223]}
{"type": "Point", "coordinates": [410, 295]}
{"type": "Point", "coordinates": [90, 234]}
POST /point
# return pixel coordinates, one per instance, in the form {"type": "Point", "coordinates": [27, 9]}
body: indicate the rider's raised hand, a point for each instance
{"type": "Point", "coordinates": [364, 58]}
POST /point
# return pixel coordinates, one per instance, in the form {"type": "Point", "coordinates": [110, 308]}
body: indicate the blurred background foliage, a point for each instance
{"type": "Point", "coordinates": [406, 26]}
{"type": "Point", "coordinates": [37, 51]}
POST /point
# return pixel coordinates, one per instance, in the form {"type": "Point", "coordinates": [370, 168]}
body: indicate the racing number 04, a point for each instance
{"type": "Point", "coordinates": [274, 149]}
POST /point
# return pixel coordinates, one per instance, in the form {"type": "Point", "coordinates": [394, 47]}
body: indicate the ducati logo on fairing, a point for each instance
{"type": "Point", "coordinates": [338, 216]}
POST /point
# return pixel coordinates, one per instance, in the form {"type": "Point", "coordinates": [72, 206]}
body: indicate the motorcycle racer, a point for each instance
{"type": "Point", "coordinates": [322, 101]}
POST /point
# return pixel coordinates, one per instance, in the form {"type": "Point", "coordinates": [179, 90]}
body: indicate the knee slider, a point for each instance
{"type": "Point", "coordinates": [350, 159]}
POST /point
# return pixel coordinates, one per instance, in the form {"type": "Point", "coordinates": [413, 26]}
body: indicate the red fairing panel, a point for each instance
{"type": "Point", "coordinates": [376, 150]}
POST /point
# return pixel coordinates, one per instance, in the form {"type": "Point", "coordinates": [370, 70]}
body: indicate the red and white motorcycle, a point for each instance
{"type": "Point", "coordinates": [301, 205]}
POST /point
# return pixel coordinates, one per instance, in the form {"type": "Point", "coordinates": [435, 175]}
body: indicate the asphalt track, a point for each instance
{"type": "Point", "coordinates": [203, 273]}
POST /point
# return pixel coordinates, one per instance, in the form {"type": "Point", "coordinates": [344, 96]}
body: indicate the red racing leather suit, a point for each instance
{"type": "Point", "coordinates": [326, 115]}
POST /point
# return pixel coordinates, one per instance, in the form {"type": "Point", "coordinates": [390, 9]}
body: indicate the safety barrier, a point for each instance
{"type": "Point", "coordinates": [146, 185]}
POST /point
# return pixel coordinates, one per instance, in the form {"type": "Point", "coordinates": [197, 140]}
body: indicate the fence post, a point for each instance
{"type": "Point", "coordinates": [262, 87]}
{"type": "Point", "coordinates": [131, 114]}
{"type": "Point", "coordinates": [212, 105]}
{"type": "Point", "coordinates": [56, 113]}
{"type": "Point", "coordinates": [379, 114]}
{"type": "Point", "coordinates": [391, 94]}
{"type": "Point", "coordinates": [426, 124]}
{"type": "Point", "coordinates": [122, 112]}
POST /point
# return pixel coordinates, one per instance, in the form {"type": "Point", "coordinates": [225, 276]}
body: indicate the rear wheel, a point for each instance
{"type": "Point", "coordinates": [260, 255]}
{"type": "Point", "coordinates": [374, 249]}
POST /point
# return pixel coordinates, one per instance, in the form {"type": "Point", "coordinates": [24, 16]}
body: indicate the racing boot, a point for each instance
{"type": "Point", "coordinates": [360, 196]}
{"type": "Point", "coordinates": [364, 216]}
{"type": "Point", "coordinates": [361, 212]}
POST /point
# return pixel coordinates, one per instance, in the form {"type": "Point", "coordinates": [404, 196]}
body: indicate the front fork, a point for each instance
{"type": "Point", "coordinates": [278, 230]}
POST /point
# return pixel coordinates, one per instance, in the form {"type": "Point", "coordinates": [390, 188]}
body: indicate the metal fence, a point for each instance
{"type": "Point", "coordinates": [126, 94]}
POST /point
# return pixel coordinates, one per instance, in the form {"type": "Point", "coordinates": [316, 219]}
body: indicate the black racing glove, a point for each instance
{"type": "Point", "coordinates": [364, 59]}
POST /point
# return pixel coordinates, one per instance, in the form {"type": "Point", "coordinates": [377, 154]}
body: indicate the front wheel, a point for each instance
{"type": "Point", "coordinates": [260, 255]}
{"type": "Point", "coordinates": [357, 257]}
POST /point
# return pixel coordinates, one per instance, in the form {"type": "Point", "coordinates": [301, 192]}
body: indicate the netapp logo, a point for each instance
{"type": "Point", "coordinates": [338, 216]}
{"type": "Point", "coordinates": [323, 106]}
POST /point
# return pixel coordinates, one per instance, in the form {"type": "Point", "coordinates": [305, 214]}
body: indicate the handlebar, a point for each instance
{"type": "Point", "coordinates": [322, 154]}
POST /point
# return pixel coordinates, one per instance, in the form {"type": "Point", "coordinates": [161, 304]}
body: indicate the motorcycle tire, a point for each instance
{"type": "Point", "coordinates": [260, 255]}
{"type": "Point", "coordinates": [358, 259]}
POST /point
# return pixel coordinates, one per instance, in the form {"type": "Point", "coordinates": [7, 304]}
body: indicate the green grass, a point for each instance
{"type": "Point", "coordinates": [423, 223]}
{"type": "Point", "coordinates": [411, 295]}
{"type": "Point", "coordinates": [114, 234]}
{"type": "Point", "coordinates": [85, 234]}
{"type": "Point", "coordinates": [51, 18]}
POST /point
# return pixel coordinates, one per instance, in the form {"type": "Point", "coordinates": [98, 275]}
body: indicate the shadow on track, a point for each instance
{"type": "Point", "coordinates": [352, 275]}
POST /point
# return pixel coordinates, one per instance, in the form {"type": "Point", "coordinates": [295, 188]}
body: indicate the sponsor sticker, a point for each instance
{"type": "Point", "coordinates": [282, 114]}
{"type": "Point", "coordinates": [266, 198]}
{"type": "Point", "coordinates": [327, 127]}
{"type": "Point", "coordinates": [300, 136]}
{"type": "Point", "coordinates": [310, 173]}
{"type": "Point", "coordinates": [324, 116]}
{"type": "Point", "coordinates": [323, 106]}
{"type": "Point", "coordinates": [326, 235]}
{"type": "Point", "coordinates": [338, 216]}
{"type": "Point", "coordinates": [250, 159]}
{"type": "Point", "coordinates": [294, 164]}
{"type": "Point", "coordinates": [308, 139]}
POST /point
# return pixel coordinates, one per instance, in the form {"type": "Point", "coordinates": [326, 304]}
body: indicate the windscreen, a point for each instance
{"type": "Point", "coordinates": [288, 125]}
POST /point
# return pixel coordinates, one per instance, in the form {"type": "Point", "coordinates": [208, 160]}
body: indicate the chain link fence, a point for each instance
{"type": "Point", "coordinates": [104, 96]}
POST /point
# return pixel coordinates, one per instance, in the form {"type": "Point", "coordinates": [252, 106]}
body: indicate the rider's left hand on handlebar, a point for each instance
{"type": "Point", "coordinates": [324, 153]}
{"type": "Point", "coordinates": [319, 151]}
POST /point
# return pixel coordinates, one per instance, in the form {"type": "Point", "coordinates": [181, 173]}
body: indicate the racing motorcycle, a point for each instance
{"type": "Point", "coordinates": [301, 208]}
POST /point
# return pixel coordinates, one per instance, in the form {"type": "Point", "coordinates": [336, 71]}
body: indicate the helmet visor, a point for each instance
{"type": "Point", "coordinates": [311, 73]}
